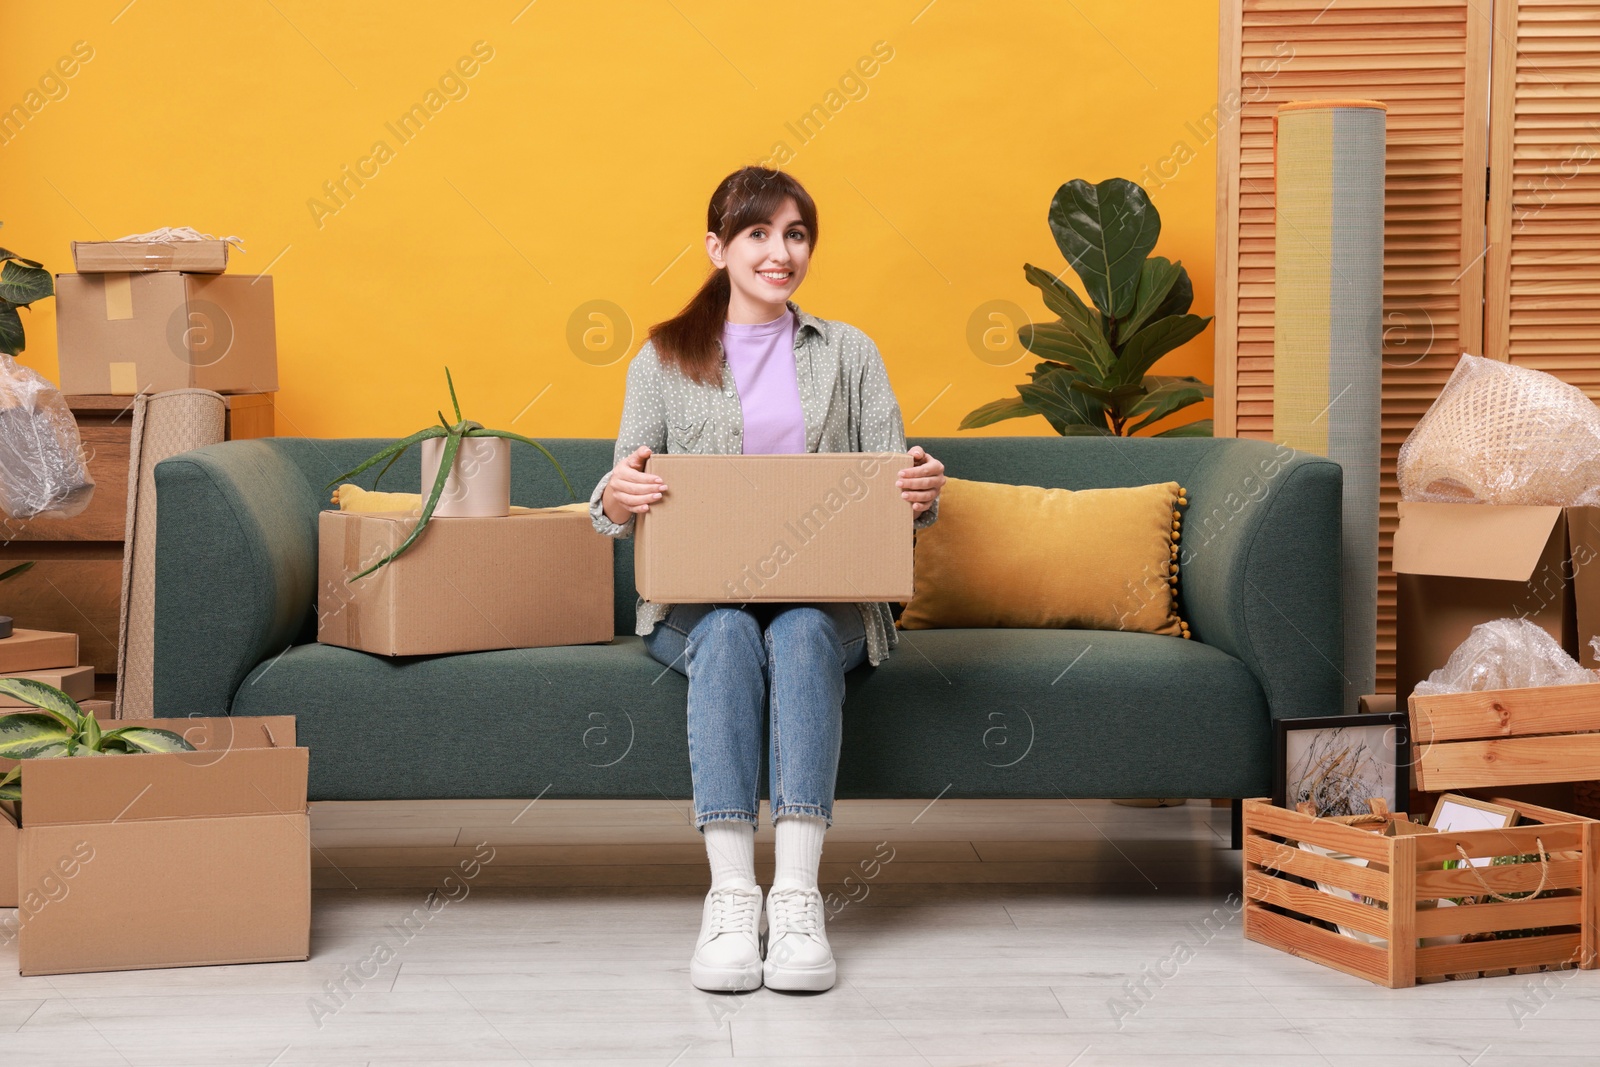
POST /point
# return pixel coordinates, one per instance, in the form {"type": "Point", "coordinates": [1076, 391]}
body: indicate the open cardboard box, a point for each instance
{"type": "Point", "coordinates": [165, 860]}
{"type": "Point", "coordinates": [1458, 565]}
{"type": "Point", "coordinates": [829, 526]}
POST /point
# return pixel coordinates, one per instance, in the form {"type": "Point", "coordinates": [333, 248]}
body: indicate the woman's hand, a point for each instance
{"type": "Point", "coordinates": [921, 482]}
{"type": "Point", "coordinates": [631, 491]}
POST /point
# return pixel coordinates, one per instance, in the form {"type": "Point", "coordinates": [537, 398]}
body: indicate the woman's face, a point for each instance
{"type": "Point", "coordinates": [765, 262]}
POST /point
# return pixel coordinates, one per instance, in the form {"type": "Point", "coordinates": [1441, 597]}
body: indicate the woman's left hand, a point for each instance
{"type": "Point", "coordinates": [921, 482]}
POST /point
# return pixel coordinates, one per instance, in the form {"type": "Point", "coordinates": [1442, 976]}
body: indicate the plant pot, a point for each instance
{"type": "Point", "coordinates": [480, 481]}
{"type": "Point", "coordinates": [5, 626]}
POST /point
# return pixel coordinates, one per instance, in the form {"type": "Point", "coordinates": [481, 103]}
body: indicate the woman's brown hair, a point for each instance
{"type": "Point", "coordinates": [689, 340]}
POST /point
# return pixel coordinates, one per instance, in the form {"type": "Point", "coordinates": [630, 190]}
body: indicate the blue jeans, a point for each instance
{"type": "Point", "coordinates": [741, 659]}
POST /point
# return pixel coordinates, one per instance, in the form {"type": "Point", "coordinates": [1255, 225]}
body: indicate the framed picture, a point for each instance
{"type": "Point", "coordinates": [1338, 761]}
{"type": "Point", "coordinates": [1456, 812]}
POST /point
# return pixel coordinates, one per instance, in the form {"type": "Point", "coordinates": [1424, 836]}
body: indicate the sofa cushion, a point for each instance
{"type": "Point", "coordinates": [1022, 555]}
{"type": "Point", "coordinates": [994, 713]}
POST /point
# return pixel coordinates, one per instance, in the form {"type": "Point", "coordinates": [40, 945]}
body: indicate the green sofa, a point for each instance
{"type": "Point", "coordinates": [963, 713]}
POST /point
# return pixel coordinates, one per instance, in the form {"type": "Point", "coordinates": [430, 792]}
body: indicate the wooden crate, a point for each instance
{"type": "Point", "coordinates": [1494, 739]}
{"type": "Point", "coordinates": [1504, 737]}
{"type": "Point", "coordinates": [1405, 877]}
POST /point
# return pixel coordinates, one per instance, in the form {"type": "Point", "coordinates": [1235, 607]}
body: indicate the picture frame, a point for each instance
{"type": "Point", "coordinates": [1456, 812]}
{"type": "Point", "coordinates": [1339, 761]}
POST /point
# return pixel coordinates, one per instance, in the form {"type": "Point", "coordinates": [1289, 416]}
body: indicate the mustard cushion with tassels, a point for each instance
{"type": "Point", "coordinates": [1023, 556]}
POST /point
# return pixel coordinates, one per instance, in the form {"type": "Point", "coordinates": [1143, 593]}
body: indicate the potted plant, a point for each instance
{"type": "Point", "coordinates": [450, 438]}
{"type": "Point", "coordinates": [5, 620]}
{"type": "Point", "coordinates": [61, 728]}
{"type": "Point", "coordinates": [1094, 380]}
{"type": "Point", "coordinates": [22, 281]}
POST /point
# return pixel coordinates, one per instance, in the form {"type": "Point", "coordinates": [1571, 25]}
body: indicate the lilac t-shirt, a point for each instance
{"type": "Point", "coordinates": [761, 357]}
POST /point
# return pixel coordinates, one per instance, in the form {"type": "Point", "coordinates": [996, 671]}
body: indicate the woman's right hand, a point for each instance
{"type": "Point", "coordinates": [631, 491]}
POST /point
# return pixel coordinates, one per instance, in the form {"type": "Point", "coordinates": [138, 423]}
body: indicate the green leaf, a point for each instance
{"type": "Point", "coordinates": [1106, 231]}
{"type": "Point", "coordinates": [1079, 321]}
{"type": "Point", "coordinates": [453, 403]}
{"type": "Point", "coordinates": [388, 452]}
{"type": "Point", "coordinates": [1159, 288]}
{"type": "Point", "coordinates": [146, 739]}
{"type": "Point", "coordinates": [1166, 395]}
{"type": "Point", "coordinates": [1200, 428]}
{"type": "Point", "coordinates": [12, 340]}
{"type": "Point", "coordinates": [47, 698]}
{"type": "Point", "coordinates": [23, 285]}
{"type": "Point", "coordinates": [14, 571]}
{"type": "Point", "coordinates": [32, 735]}
{"type": "Point", "coordinates": [1064, 346]}
{"type": "Point", "coordinates": [1144, 348]}
{"type": "Point", "coordinates": [1053, 396]}
{"type": "Point", "coordinates": [480, 431]}
{"type": "Point", "coordinates": [1011, 407]}
{"type": "Point", "coordinates": [452, 445]}
{"type": "Point", "coordinates": [89, 732]}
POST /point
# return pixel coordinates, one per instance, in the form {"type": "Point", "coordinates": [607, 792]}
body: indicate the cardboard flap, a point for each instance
{"type": "Point", "coordinates": [1472, 540]}
{"type": "Point", "coordinates": [168, 785]}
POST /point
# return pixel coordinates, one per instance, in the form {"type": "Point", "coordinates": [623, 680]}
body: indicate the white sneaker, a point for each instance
{"type": "Point", "coordinates": [727, 958]}
{"type": "Point", "coordinates": [798, 954]}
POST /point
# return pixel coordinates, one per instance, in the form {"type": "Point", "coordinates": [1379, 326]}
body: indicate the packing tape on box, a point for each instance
{"type": "Point", "coordinates": [124, 379]}
{"type": "Point", "coordinates": [119, 296]}
{"type": "Point", "coordinates": [352, 565]}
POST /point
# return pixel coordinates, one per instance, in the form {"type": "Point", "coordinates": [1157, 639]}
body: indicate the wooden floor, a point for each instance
{"type": "Point", "coordinates": [1068, 933]}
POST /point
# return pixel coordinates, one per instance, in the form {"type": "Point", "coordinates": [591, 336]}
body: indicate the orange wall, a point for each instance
{"type": "Point", "coordinates": [574, 165]}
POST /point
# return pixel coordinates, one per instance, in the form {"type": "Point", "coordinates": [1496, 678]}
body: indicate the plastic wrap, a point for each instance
{"type": "Point", "coordinates": [1503, 434]}
{"type": "Point", "coordinates": [42, 470]}
{"type": "Point", "coordinates": [1506, 654]}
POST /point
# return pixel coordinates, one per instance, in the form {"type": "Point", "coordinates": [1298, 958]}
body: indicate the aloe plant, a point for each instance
{"type": "Point", "coordinates": [61, 728]}
{"type": "Point", "coordinates": [1094, 380]}
{"type": "Point", "coordinates": [22, 281]}
{"type": "Point", "coordinates": [453, 433]}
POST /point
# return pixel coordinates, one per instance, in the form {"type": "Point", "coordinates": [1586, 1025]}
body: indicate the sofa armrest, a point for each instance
{"type": "Point", "coordinates": [1261, 570]}
{"type": "Point", "coordinates": [236, 570]}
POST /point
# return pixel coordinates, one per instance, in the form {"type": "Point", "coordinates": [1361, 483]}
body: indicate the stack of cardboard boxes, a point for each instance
{"type": "Point", "coordinates": [51, 658]}
{"type": "Point", "coordinates": [152, 316]}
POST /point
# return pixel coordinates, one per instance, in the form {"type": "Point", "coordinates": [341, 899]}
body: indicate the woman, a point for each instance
{"type": "Point", "coordinates": [743, 370]}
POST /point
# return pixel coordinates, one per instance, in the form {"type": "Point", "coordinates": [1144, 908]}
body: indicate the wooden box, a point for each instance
{"type": "Point", "coordinates": [1542, 881]}
{"type": "Point", "coordinates": [1401, 885]}
{"type": "Point", "coordinates": [1504, 737]}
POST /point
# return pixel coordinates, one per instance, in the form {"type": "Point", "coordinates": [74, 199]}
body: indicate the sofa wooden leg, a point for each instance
{"type": "Point", "coordinates": [1237, 824]}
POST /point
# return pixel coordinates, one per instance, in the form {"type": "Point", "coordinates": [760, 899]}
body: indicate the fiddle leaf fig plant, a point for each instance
{"type": "Point", "coordinates": [61, 728]}
{"type": "Point", "coordinates": [22, 281]}
{"type": "Point", "coordinates": [453, 433]}
{"type": "Point", "coordinates": [1094, 379]}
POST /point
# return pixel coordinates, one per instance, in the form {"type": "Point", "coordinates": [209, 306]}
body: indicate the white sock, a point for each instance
{"type": "Point", "coordinates": [731, 847]}
{"type": "Point", "coordinates": [799, 850]}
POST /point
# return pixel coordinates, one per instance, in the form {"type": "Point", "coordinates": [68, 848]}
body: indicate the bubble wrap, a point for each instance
{"type": "Point", "coordinates": [1507, 654]}
{"type": "Point", "coordinates": [1503, 434]}
{"type": "Point", "coordinates": [42, 471]}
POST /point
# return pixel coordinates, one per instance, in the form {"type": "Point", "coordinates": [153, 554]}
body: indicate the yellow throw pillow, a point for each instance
{"type": "Point", "coordinates": [1019, 555]}
{"type": "Point", "coordinates": [352, 497]}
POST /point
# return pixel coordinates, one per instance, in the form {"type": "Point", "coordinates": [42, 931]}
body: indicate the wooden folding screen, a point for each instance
{"type": "Point", "coordinates": [1429, 61]}
{"type": "Point", "coordinates": [1543, 289]}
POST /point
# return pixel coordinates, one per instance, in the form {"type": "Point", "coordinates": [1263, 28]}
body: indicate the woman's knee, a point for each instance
{"type": "Point", "coordinates": [723, 631]}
